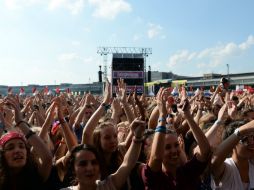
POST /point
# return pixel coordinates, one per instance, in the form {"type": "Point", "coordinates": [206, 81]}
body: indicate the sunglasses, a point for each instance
{"type": "Point", "coordinates": [247, 140]}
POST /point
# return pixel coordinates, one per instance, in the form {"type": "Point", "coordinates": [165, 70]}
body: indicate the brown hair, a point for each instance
{"type": "Point", "coordinates": [116, 157]}
{"type": "Point", "coordinates": [74, 151]}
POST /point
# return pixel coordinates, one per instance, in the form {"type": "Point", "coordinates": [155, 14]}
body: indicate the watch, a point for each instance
{"type": "Point", "coordinates": [237, 133]}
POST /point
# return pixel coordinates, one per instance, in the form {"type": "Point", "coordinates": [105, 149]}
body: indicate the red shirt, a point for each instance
{"type": "Point", "coordinates": [187, 177]}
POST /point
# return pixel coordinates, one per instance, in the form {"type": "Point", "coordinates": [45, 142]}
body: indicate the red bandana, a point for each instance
{"type": "Point", "coordinates": [11, 135]}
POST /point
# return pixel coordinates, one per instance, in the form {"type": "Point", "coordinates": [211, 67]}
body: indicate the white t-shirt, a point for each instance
{"type": "Point", "coordinates": [231, 179]}
{"type": "Point", "coordinates": [106, 184]}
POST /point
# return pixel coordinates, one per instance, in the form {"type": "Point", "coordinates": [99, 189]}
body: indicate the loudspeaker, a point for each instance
{"type": "Point", "coordinates": [149, 76]}
{"type": "Point", "coordinates": [100, 76]}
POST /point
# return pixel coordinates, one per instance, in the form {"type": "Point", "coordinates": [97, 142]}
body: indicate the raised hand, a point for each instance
{"type": "Point", "coordinates": [116, 106]}
{"type": "Point", "coordinates": [121, 93]}
{"type": "Point", "coordinates": [222, 115]}
{"type": "Point", "coordinates": [107, 93]}
{"type": "Point", "coordinates": [138, 127]}
{"type": "Point", "coordinates": [14, 104]}
{"type": "Point", "coordinates": [130, 99]}
{"type": "Point", "coordinates": [161, 102]}
{"type": "Point", "coordinates": [58, 104]}
{"type": "Point", "coordinates": [184, 106]}
{"type": "Point", "coordinates": [232, 109]}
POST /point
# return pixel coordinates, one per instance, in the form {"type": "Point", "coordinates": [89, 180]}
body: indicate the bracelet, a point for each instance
{"type": "Point", "coordinates": [137, 140]}
{"type": "Point", "coordinates": [29, 134]}
{"type": "Point", "coordinates": [21, 121]}
{"type": "Point", "coordinates": [161, 129]}
{"type": "Point", "coordinates": [219, 122]}
{"type": "Point", "coordinates": [237, 133]}
{"type": "Point", "coordinates": [161, 119]}
{"type": "Point", "coordinates": [106, 106]}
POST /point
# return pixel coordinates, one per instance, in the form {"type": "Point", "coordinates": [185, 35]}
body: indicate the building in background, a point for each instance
{"type": "Point", "coordinates": [237, 80]}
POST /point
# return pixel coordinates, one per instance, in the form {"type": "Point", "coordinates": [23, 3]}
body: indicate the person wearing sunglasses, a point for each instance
{"type": "Point", "coordinates": [235, 172]}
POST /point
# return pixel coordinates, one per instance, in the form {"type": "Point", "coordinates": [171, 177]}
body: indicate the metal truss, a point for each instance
{"type": "Point", "coordinates": [129, 50]}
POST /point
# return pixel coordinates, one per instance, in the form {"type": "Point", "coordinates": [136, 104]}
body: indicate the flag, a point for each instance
{"type": "Point", "coordinates": [46, 90]}
{"type": "Point", "coordinates": [33, 90]}
{"type": "Point", "coordinates": [57, 90]}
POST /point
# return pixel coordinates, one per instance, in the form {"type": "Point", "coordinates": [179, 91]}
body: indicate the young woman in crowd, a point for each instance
{"type": "Point", "coordinates": [104, 136]}
{"type": "Point", "coordinates": [165, 168]}
{"type": "Point", "coordinates": [85, 162]}
{"type": "Point", "coordinates": [19, 169]}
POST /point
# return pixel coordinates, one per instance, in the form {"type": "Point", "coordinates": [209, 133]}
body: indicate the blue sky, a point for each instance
{"type": "Point", "coordinates": [55, 41]}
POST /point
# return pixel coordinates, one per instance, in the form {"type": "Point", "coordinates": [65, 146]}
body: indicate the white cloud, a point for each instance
{"type": "Point", "coordinates": [18, 4]}
{"type": "Point", "coordinates": [53, 4]}
{"type": "Point", "coordinates": [66, 57]}
{"type": "Point", "coordinates": [210, 57]}
{"type": "Point", "coordinates": [76, 58]}
{"type": "Point", "coordinates": [228, 49]}
{"type": "Point", "coordinates": [154, 30]}
{"type": "Point", "coordinates": [11, 4]}
{"type": "Point", "coordinates": [248, 43]}
{"type": "Point", "coordinates": [109, 9]}
{"type": "Point", "coordinates": [74, 6]}
{"type": "Point", "coordinates": [180, 57]}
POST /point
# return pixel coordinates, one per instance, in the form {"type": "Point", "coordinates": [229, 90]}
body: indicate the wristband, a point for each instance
{"type": "Point", "coordinates": [137, 140]}
{"type": "Point", "coordinates": [161, 119]}
{"type": "Point", "coordinates": [29, 134]}
{"type": "Point", "coordinates": [237, 133]}
{"type": "Point", "coordinates": [161, 129]}
{"type": "Point", "coordinates": [219, 122]}
{"type": "Point", "coordinates": [21, 121]}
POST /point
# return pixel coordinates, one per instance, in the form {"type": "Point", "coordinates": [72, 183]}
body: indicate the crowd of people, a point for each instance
{"type": "Point", "coordinates": [127, 142]}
